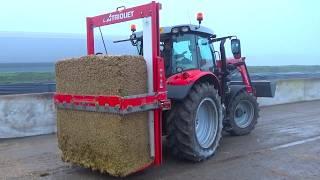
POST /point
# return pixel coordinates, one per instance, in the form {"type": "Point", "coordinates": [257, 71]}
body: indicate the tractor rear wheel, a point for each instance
{"type": "Point", "coordinates": [242, 114]}
{"type": "Point", "coordinates": [195, 124]}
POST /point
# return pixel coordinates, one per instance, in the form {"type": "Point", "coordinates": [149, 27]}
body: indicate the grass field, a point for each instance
{"type": "Point", "coordinates": [26, 77]}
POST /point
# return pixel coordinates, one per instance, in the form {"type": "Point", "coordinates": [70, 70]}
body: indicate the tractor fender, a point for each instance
{"type": "Point", "coordinates": [179, 85]}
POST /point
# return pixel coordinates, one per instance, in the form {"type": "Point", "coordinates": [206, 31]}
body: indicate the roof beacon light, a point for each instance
{"type": "Point", "coordinates": [199, 17]}
{"type": "Point", "coordinates": [133, 27]}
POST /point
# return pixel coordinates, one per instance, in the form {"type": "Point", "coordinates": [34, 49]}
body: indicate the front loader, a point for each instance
{"type": "Point", "coordinates": [192, 96]}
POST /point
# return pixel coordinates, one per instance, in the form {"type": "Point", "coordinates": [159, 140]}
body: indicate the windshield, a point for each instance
{"type": "Point", "coordinates": [183, 52]}
{"type": "Point", "coordinates": [184, 55]}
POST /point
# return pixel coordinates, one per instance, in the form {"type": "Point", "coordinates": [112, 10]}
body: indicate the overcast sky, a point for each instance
{"type": "Point", "coordinates": [272, 32]}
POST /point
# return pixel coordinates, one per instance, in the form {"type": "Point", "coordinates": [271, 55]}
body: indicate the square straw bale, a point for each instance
{"type": "Point", "coordinates": [116, 144]}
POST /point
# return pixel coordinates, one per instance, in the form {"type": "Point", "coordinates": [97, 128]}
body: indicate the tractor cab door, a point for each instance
{"type": "Point", "coordinates": [206, 56]}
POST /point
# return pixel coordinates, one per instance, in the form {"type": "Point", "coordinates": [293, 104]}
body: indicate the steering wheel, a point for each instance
{"type": "Point", "coordinates": [185, 61]}
{"type": "Point", "coordinates": [179, 57]}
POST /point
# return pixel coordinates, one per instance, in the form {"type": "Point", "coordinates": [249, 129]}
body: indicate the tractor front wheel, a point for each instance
{"type": "Point", "coordinates": [242, 114]}
{"type": "Point", "coordinates": [195, 124]}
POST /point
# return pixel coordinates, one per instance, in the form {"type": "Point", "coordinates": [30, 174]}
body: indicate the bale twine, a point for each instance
{"type": "Point", "coordinates": [116, 144]}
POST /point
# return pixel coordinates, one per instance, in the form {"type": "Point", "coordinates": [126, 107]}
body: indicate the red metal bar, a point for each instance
{"type": "Point", "coordinates": [124, 15]}
{"type": "Point", "coordinates": [243, 71]}
{"type": "Point", "coordinates": [112, 101]}
{"type": "Point", "coordinates": [148, 10]}
{"type": "Point", "coordinates": [156, 79]}
{"type": "Point", "coordinates": [137, 12]}
{"type": "Point", "coordinates": [90, 37]}
{"type": "Point", "coordinates": [162, 74]}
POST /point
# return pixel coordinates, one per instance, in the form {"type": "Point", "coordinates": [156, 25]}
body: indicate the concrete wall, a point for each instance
{"type": "Point", "coordinates": [294, 90]}
{"type": "Point", "coordinates": [26, 115]}
{"type": "Point", "coordinates": [34, 114]}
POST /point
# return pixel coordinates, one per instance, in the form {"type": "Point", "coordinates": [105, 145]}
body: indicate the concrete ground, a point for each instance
{"type": "Point", "coordinates": [284, 145]}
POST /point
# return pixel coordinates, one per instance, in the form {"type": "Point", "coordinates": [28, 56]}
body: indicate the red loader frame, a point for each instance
{"type": "Point", "coordinates": [155, 100]}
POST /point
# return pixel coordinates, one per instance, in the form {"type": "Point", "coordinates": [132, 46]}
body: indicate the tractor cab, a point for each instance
{"type": "Point", "coordinates": [183, 47]}
{"type": "Point", "coordinates": [187, 47]}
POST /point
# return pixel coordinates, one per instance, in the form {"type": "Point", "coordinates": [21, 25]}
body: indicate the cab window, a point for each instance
{"type": "Point", "coordinates": [184, 55]}
{"type": "Point", "coordinates": [206, 58]}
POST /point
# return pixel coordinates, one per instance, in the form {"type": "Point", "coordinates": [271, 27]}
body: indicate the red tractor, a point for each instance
{"type": "Point", "coordinates": [204, 99]}
{"type": "Point", "coordinates": [186, 73]}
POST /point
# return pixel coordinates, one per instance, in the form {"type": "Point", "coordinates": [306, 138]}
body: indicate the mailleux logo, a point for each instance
{"type": "Point", "coordinates": [119, 16]}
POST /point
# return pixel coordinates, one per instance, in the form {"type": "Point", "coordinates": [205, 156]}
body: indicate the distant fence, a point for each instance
{"type": "Point", "coordinates": [26, 88]}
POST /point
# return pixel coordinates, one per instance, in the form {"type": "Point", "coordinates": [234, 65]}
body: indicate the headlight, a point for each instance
{"type": "Point", "coordinates": [185, 29]}
{"type": "Point", "coordinates": [175, 30]}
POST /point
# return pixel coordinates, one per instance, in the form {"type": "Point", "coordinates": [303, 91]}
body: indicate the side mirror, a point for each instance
{"type": "Point", "coordinates": [236, 48]}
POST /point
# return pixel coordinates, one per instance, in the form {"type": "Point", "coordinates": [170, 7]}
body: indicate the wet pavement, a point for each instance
{"type": "Point", "coordinates": [284, 145]}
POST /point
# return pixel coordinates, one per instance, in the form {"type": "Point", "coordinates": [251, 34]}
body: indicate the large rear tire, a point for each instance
{"type": "Point", "coordinates": [195, 124]}
{"type": "Point", "coordinates": [242, 114]}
